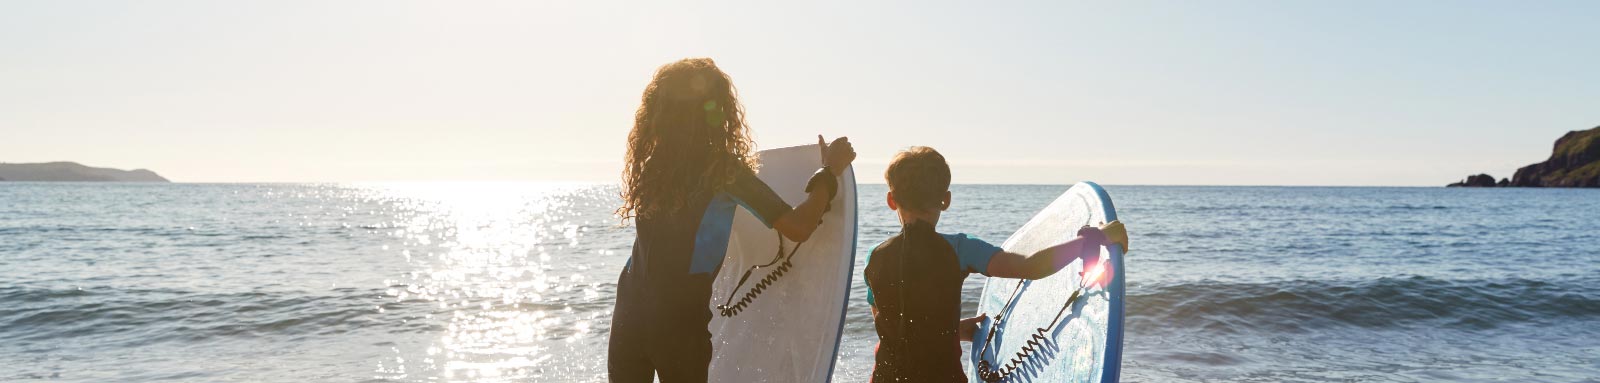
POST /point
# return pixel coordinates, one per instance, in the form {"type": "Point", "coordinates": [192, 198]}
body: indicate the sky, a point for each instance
{"type": "Point", "coordinates": [1053, 92]}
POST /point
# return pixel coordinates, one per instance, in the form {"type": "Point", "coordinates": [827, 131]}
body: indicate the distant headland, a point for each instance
{"type": "Point", "coordinates": [73, 172]}
{"type": "Point", "coordinates": [1575, 162]}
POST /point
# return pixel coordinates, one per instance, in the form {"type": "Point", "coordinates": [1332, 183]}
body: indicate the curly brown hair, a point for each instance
{"type": "Point", "coordinates": [688, 138]}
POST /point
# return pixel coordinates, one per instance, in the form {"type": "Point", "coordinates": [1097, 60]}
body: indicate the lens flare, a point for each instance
{"type": "Point", "coordinates": [1092, 276]}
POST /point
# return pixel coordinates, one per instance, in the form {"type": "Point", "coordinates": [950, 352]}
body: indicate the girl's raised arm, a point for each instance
{"type": "Point", "coordinates": [802, 221]}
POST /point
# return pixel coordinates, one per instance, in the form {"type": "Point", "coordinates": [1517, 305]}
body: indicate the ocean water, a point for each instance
{"type": "Point", "coordinates": [489, 282]}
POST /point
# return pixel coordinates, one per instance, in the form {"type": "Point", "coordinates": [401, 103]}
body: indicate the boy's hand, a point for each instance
{"type": "Point", "coordinates": [1097, 271]}
{"type": "Point", "coordinates": [837, 155]}
{"type": "Point", "coordinates": [1116, 234]}
{"type": "Point", "coordinates": [1110, 233]}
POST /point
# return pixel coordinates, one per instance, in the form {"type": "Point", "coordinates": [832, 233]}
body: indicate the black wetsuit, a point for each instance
{"type": "Point", "coordinates": [916, 279]}
{"type": "Point", "coordinates": [664, 293]}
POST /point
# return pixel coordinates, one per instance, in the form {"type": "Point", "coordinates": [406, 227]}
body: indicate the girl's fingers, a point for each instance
{"type": "Point", "coordinates": [823, 147]}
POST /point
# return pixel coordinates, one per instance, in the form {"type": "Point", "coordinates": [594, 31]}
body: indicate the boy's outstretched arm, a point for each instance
{"type": "Point", "coordinates": [1047, 262]}
{"type": "Point", "coordinates": [799, 223]}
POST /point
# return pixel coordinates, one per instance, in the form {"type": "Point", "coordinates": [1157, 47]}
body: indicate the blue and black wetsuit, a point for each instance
{"type": "Point", "coordinates": [914, 280]}
{"type": "Point", "coordinates": [664, 293]}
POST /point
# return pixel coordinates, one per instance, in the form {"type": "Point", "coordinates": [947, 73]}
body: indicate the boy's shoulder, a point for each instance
{"type": "Point", "coordinates": [956, 240]}
{"type": "Point", "coordinates": [879, 245]}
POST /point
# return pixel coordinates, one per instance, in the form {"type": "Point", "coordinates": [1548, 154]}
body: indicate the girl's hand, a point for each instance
{"type": "Point", "coordinates": [969, 327]}
{"type": "Point", "coordinates": [838, 155]}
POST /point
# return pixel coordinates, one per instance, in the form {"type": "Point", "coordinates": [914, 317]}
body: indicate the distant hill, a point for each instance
{"type": "Point", "coordinates": [72, 171]}
{"type": "Point", "coordinates": [1574, 162]}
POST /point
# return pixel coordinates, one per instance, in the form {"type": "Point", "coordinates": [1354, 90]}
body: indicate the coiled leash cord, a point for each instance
{"type": "Point", "coordinates": [784, 262]}
{"type": "Point", "coordinates": [987, 372]}
{"type": "Point", "coordinates": [822, 178]}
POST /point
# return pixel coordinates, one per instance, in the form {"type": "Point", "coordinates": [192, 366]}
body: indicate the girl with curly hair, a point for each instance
{"type": "Point", "coordinates": [689, 157]}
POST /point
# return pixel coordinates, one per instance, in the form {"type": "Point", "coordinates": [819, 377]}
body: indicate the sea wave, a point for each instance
{"type": "Point", "coordinates": [142, 316]}
{"type": "Point", "coordinates": [1300, 306]}
{"type": "Point", "coordinates": [131, 317]}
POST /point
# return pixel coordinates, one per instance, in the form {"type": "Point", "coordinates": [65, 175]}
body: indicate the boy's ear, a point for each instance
{"type": "Point", "coordinates": [890, 199]}
{"type": "Point", "coordinates": [946, 201]}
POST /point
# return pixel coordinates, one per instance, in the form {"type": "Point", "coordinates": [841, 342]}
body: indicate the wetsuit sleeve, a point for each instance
{"type": "Point", "coordinates": [870, 301]}
{"type": "Point", "coordinates": [758, 198]}
{"type": "Point", "coordinates": [973, 253]}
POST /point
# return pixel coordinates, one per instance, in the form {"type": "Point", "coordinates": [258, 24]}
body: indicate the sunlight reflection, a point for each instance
{"type": "Point", "coordinates": [482, 255]}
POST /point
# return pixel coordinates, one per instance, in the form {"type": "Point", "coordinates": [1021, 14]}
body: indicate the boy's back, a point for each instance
{"type": "Point", "coordinates": [916, 275]}
{"type": "Point", "coordinates": [916, 281]}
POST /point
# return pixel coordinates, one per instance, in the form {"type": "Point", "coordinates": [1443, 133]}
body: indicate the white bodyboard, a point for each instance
{"type": "Point", "coordinates": [790, 331]}
{"type": "Point", "coordinates": [1086, 343]}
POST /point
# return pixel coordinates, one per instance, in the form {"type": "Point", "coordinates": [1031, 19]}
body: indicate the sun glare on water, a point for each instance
{"type": "Point", "coordinates": [485, 266]}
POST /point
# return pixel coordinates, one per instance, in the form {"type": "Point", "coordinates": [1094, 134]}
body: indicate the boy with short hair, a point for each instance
{"type": "Point", "coordinates": [914, 278]}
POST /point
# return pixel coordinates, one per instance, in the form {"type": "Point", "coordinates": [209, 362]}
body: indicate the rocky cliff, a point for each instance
{"type": "Point", "coordinates": [72, 171]}
{"type": "Point", "coordinates": [1574, 162]}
